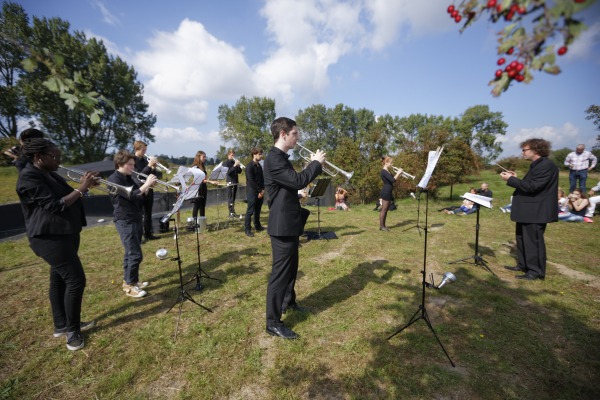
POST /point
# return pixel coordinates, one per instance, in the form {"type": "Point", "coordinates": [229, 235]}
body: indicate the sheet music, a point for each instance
{"type": "Point", "coordinates": [190, 180]}
{"type": "Point", "coordinates": [432, 160]}
{"type": "Point", "coordinates": [478, 199]}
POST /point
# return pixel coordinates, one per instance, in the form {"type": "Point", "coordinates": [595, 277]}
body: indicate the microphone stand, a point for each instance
{"type": "Point", "coordinates": [421, 312]}
{"type": "Point", "coordinates": [183, 294]}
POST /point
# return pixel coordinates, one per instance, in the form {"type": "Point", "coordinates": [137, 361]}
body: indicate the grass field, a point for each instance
{"type": "Point", "coordinates": [509, 339]}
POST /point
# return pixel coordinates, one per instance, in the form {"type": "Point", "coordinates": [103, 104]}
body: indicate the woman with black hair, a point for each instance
{"type": "Point", "coordinates": [54, 217]}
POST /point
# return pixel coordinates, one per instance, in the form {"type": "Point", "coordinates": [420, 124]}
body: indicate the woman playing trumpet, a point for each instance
{"type": "Point", "coordinates": [386, 192]}
{"type": "Point", "coordinates": [54, 216]}
{"type": "Point", "coordinates": [128, 220]}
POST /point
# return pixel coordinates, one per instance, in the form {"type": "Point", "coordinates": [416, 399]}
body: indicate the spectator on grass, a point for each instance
{"type": "Point", "coordinates": [594, 200]}
{"type": "Point", "coordinates": [578, 204]}
{"type": "Point", "coordinates": [467, 206]}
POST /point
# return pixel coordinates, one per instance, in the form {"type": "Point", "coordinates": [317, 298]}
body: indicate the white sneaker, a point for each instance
{"type": "Point", "coordinates": [135, 292]}
{"type": "Point", "coordinates": [141, 285]}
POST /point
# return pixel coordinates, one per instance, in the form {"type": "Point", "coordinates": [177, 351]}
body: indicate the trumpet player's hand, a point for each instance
{"type": "Point", "coordinates": [318, 156]}
{"type": "Point", "coordinates": [152, 162]}
{"type": "Point", "coordinates": [88, 180]}
{"type": "Point", "coordinates": [505, 175]}
{"type": "Point", "coordinates": [400, 171]}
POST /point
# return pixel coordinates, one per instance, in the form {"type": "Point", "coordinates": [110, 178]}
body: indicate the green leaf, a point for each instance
{"type": "Point", "coordinates": [29, 64]}
{"type": "Point", "coordinates": [52, 84]}
{"type": "Point", "coordinates": [552, 69]}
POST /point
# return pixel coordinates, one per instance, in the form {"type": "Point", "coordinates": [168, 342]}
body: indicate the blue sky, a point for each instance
{"type": "Point", "coordinates": [396, 57]}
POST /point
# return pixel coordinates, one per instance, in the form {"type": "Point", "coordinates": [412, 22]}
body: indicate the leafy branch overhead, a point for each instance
{"type": "Point", "coordinates": [535, 32]}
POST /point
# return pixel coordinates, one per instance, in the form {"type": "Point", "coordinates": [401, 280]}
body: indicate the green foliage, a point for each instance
{"type": "Point", "coordinates": [534, 28]}
{"type": "Point", "coordinates": [558, 157]}
{"type": "Point", "coordinates": [247, 124]}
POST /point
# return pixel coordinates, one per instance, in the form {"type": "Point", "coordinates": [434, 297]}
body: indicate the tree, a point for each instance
{"type": "Point", "coordinates": [120, 120]}
{"type": "Point", "coordinates": [248, 123]}
{"type": "Point", "coordinates": [479, 128]}
{"type": "Point", "coordinates": [593, 114]}
{"type": "Point", "coordinates": [13, 24]}
{"type": "Point", "coordinates": [530, 35]}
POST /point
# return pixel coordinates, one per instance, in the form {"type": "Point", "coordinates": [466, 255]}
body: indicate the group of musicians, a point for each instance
{"type": "Point", "coordinates": [54, 217]}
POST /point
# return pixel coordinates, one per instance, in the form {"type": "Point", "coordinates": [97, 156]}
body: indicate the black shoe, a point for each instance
{"type": "Point", "coordinates": [516, 269]}
{"type": "Point", "coordinates": [295, 308]}
{"type": "Point", "coordinates": [83, 326]}
{"type": "Point", "coordinates": [249, 234]}
{"type": "Point", "coordinates": [282, 332]}
{"type": "Point", "coordinates": [75, 341]}
{"type": "Point", "coordinates": [259, 229]}
{"type": "Point", "coordinates": [529, 277]}
{"type": "Point", "coordinates": [151, 237]}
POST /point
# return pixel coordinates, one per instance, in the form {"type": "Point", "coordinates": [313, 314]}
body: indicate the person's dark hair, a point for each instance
{"type": "Point", "coordinates": [281, 124]}
{"type": "Point", "coordinates": [256, 150]}
{"type": "Point", "coordinates": [539, 146]}
{"type": "Point", "coordinates": [581, 193]}
{"type": "Point", "coordinates": [138, 145]}
{"type": "Point", "coordinates": [122, 157]}
{"type": "Point", "coordinates": [31, 133]}
{"type": "Point", "coordinates": [197, 162]}
{"type": "Point", "coordinates": [385, 159]}
{"type": "Point", "coordinates": [37, 145]}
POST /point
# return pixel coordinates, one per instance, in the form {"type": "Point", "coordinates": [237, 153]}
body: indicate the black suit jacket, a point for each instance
{"type": "Point", "coordinates": [535, 199]}
{"type": "Point", "coordinates": [286, 217]}
{"type": "Point", "coordinates": [44, 211]}
{"type": "Point", "coordinates": [255, 181]}
{"type": "Point", "coordinates": [232, 172]}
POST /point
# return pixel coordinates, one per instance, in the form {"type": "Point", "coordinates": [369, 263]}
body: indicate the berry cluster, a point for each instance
{"type": "Point", "coordinates": [454, 14]}
{"type": "Point", "coordinates": [514, 69]}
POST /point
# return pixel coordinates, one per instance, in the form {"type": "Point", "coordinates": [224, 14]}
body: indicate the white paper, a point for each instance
{"type": "Point", "coordinates": [432, 159]}
{"type": "Point", "coordinates": [478, 199]}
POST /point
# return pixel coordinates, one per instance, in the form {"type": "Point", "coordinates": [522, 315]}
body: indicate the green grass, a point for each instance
{"type": "Point", "coordinates": [509, 339]}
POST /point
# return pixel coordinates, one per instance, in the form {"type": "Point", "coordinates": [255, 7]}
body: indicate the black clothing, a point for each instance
{"type": "Point", "coordinates": [53, 231]}
{"type": "Point", "coordinates": [388, 185]}
{"type": "Point", "coordinates": [141, 165]}
{"type": "Point", "coordinates": [199, 201]}
{"type": "Point", "coordinates": [123, 208]}
{"type": "Point", "coordinates": [255, 183]}
{"type": "Point", "coordinates": [486, 193]}
{"type": "Point", "coordinates": [534, 204]}
{"type": "Point", "coordinates": [232, 179]}
{"type": "Point", "coordinates": [286, 224]}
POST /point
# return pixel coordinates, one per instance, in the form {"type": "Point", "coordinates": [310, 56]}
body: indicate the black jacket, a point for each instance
{"type": "Point", "coordinates": [124, 208]}
{"type": "Point", "coordinates": [255, 180]}
{"type": "Point", "coordinates": [232, 172]}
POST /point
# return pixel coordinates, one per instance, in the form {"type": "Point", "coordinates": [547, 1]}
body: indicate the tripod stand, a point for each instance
{"type": "Point", "coordinates": [419, 227]}
{"type": "Point", "coordinates": [477, 258]}
{"type": "Point", "coordinates": [183, 294]}
{"type": "Point", "coordinates": [317, 191]}
{"type": "Point", "coordinates": [421, 312]}
{"type": "Point", "coordinates": [200, 273]}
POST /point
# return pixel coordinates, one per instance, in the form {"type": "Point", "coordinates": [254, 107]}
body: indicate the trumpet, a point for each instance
{"type": "Point", "coordinates": [158, 165]}
{"type": "Point", "coordinates": [330, 169]}
{"type": "Point", "coordinates": [109, 187]}
{"type": "Point", "coordinates": [404, 174]}
{"type": "Point", "coordinates": [160, 185]}
{"type": "Point", "coordinates": [241, 165]}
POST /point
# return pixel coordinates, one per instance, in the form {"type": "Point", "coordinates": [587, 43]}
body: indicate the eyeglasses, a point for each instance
{"type": "Point", "coordinates": [524, 150]}
{"type": "Point", "coordinates": [54, 157]}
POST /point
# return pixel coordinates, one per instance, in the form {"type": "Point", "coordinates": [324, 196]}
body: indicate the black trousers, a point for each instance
{"type": "Point", "coordinates": [280, 290]}
{"type": "Point", "coordinates": [199, 205]}
{"type": "Point", "coordinates": [531, 248]}
{"type": "Point", "coordinates": [67, 279]}
{"type": "Point", "coordinates": [148, 203]}
{"type": "Point", "coordinates": [231, 193]}
{"type": "Point", "coordinates": [254, 208]}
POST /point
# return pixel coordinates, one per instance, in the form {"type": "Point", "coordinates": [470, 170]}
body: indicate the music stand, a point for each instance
{"type": "Point", "coordinates": [317, 191]}
{"type": "Point", "coordinates": [200, 273]}
{"type": "Point", "coordinates": [418, 226]}
{"type": "Point", "coordinates": [476, 258]}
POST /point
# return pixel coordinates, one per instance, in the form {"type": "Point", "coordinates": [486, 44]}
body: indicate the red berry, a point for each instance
{"type": "Point", "coordinates": [501, 61]}
{"type": "Point", "coordinates": [491, 3]}
{"type": "Point", "coordinates": [562, 50]}
{"type": "Point", "coordinates": [519, 78]}
{"type": "Point", "coordinates": [499, 7]}
{"type": "Point", "coordinates": [514, 64]}
{"type": "Point", "coordinates": [510, 15]}
{"type": "Point", "coordinates": [450, 9]}
{"type": "Point", "coordinates": [519, 67]}
{"type": "Point", "coordinates": [457, 18]}
{"type": "Point", "coordinates": [522, 10]}
{"type": "Point", "coordinates": [512, 73]}
{"type": "Point", "coordinates": [498, 73]}
{"type": "Point", "coordinates": [514, 7]}
{"type": "Point", "coordinates": [453, 14]}
{"type": "Point", "coordinates": [510, 51]}
{"type": "Point", "coordinates": [579, 1]}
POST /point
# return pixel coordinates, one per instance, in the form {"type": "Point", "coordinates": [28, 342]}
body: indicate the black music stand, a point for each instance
{"type": "Point", "coordinates": [200, 273]}
{"type": "Point", "coordinates": [183, 294]}
{"type": "Point", "coordinates": [421, 312]}
{"type": "Point", "coordinates": [218, 174]}
{"type": "Point", "coordinates": [317, 191]}
{"type": "Point", "coordinates": [418, 226]}
{"type": "Point", "coordinates": [476, 258]}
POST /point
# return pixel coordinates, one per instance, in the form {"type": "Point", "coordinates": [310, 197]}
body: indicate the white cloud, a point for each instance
{"type": "Point", "coordinates": [567, 135]}
{"type": "Point", "coordinates": [107, 16]}
{"type": "Point", "coordinates": [111, 47]}
{"type": "Point", "coordinates": [584, 45]}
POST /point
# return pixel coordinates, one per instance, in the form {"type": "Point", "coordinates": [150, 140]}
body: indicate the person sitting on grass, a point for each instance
{"type": "Point", "coordinates": [578, 204]}
{"type": "Point", "coordinates": [340, 199]}
{"type": "Point", "coordinates": [594, 199]}
{"type": "Point", "coordinates": [508, 207]}
{"type": "Point", "coordinates": [563, 202]}
{"type": "Point", "coordinates": [467, 206]}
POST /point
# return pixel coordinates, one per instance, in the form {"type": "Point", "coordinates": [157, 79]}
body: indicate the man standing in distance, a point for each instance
{"type": "Point", "coordinates": [255, 191]}
{"type": "Point", "coordinates": [233, 170]}
{"type": "Point", "coordinates": [578, 162]}
{"type": "Point", "coordinates": [286, 221]}
{"type": "Point", "coordinates": [534, 204]}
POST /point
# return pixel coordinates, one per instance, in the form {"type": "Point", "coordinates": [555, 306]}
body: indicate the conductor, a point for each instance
{"type": "Point", "coordinates": [286, 221]}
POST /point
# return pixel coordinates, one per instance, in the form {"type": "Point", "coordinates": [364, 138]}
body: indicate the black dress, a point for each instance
{"type": "Point", "coordinates": [388, 185]}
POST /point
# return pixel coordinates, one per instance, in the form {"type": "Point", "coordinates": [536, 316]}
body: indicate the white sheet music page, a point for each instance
{"type": "Point", "coordinates": [432, 159]}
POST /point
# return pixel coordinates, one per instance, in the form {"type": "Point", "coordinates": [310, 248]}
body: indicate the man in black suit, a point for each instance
{"type": "Point", "coordinates": [286, 221]}
{"type": "Point", "coordinates": [534, 204]}
{"type": "Point", "coordinates": [255, 191]}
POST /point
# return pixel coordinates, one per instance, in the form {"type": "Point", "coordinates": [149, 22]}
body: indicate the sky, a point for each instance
{"type": "Point", "coordinates": [397, 57]}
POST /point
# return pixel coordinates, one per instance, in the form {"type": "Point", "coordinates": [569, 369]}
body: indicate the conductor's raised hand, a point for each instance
{"type": "Point", "coordinates": [505, 175]}
{"type": "Point", "coordinates": [318, 156]}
